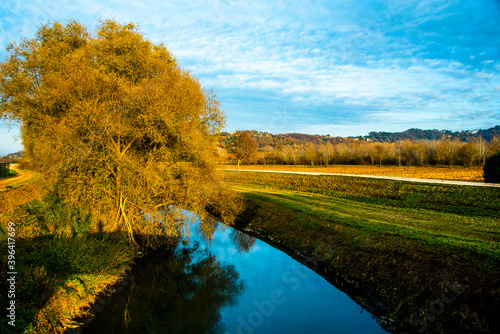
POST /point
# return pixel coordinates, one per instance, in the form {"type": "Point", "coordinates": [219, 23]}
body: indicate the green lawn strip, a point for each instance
{"type": "Point", "coordinates": [422, 219]}
{"type": "Point", "coordinates": [463, 200]}
{"type": "Point", "coordinates": [401, 255]}
{"type": "Point", "coordinates": [435, 229]}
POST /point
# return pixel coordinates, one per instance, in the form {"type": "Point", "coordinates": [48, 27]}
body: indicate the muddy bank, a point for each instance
{"type": "Point", "coordinates": [412, 287]}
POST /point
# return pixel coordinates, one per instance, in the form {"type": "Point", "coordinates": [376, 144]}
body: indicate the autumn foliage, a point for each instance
{"type": "Point", "coordinates": [243, 147]}
{"type": "Point", "coordinates": [316, 150]}
{"type": "Point", "coordinates": [117, 125]}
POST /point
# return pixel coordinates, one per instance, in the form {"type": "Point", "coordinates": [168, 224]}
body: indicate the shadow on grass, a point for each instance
{"type": "Point", "coordinates": [47, 265]}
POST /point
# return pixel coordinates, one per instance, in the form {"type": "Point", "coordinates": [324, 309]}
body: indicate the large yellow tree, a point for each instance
{"type": "Point", "coordinates": [117, 125]}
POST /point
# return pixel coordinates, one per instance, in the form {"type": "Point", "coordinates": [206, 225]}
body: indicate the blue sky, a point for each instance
{"type": "Point", "coordinates": [321, 67]}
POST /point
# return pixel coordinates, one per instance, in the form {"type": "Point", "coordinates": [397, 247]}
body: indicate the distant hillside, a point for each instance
{"type": "Point", "coordinates": [418, 134]}
{"type": "Point", "coordinates": [11, 157]}
{"type": "Point", "coordinates": [264, 139]}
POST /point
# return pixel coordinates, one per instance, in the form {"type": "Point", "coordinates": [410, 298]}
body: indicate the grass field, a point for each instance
{"type": "Point", "coordinates": [401, 242]}
{"type": "Point", "coordinates": [464, 200]}
{"type": "Point", "coordinates": [439, 173]}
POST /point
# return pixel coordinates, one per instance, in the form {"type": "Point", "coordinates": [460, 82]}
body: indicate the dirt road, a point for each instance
{"type": "Point", "coordinates": [21, 177]}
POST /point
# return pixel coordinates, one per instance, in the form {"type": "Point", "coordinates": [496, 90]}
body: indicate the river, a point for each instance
{"type": "Point", "coordinates": [234, 283]}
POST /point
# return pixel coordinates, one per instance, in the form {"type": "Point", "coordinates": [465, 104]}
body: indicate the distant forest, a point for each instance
{"type": "Point", "coordinates": [410, 147]}
{"type": "Point", "coordinates": [418, 134]}
{"type": "Point", "coordinates": [265, 138]}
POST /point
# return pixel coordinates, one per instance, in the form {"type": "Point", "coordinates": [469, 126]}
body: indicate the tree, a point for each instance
{"type": "Point", "coordinates": [421, 150]}
{"type": "Point", "coordinates": [399, 152]}
{"type": "Point", "coordinates": [469, 152]}
{"type": "Point", "coordinates": [380, 152]}
{"type": "Point", "coordinates": [440, 150]}
{"type": "Point", "coordinates": [328, 151]}
{"type": "Point", "coordinates": [482, 150]}
{"type": "Point", "coordinates": [450, 151]}
{"type": "Point", "coordinates": [342, 152]}
{"type": "Point", "coordinates": [244, 147]}
{"type": "Point", "coordinates": [117, 125]}
{"type": "Point", "coordinates": [494, 145]}
{"type": "Point", "coordinates": [408, 151]}
{"type": "Point", "coordinates": [310, 154]}
{"type": "Point", "coordinates": [288, 154]}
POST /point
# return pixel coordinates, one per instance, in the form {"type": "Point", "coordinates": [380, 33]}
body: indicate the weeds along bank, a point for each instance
{"type": "Point", "coordinates": [62, 261]}
{"type": "Point", "coordinates": [429, 253]}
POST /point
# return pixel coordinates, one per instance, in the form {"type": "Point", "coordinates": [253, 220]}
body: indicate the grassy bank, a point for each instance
{"type": "Point", "coordinates": [63, 262]}
{"type": "Point", "coordinates": [429, 253]}
{"type": "Point", "coordinates": [457, 199]}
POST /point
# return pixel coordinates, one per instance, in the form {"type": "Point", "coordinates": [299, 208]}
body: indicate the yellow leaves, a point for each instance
{"type": "Point", "coordinates": [116, 122]}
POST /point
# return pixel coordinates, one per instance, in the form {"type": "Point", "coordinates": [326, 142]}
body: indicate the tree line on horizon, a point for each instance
{"type": "Point", "coordinates": [450, 149]}
{"type": "Point", "coordinates": [266, 138]}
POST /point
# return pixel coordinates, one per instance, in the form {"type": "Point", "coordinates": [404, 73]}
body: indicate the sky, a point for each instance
{"type": "Point", "coordinates": [336, 67]}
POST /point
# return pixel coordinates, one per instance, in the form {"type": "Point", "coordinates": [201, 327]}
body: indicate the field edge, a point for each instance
{"type": "Point", "coordinates": [402, 286]}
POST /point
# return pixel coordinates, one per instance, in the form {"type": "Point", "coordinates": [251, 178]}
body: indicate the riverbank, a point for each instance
{"type": "Point", "coordinates": [428, 254]}
{"type": "Point", "coordinates": [60, 266]}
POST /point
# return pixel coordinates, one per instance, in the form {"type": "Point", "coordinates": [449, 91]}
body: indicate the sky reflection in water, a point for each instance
{"type": "Point", "coordinates": [233, 284]}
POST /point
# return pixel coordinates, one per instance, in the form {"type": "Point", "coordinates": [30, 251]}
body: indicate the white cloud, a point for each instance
{"type": "Point", "coordinates": [398, 61]}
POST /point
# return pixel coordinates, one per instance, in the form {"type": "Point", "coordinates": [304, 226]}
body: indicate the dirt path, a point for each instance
{"type": "Point", "coordinates": [21, 177]}
{"type": "Point", "coordinates": [408, 179]}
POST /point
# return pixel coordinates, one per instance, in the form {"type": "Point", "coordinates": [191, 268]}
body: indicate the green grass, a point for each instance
{"type": "Point", "coordinates": [398, 241]}
{"type": "Point", "coordinates": [458, 199]}
{"type": "Point", "coordinates": [452, 232]}
{"type": "Point", "coordinates": [62, 261]}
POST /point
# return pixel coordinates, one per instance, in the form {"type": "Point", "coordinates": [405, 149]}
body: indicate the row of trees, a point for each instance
{"type": "Point", "coordinates": [244, 149]}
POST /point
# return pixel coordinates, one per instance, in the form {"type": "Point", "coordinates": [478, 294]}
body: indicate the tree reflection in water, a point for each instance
{"type": "Point", "coordinates": [206, 229]}
{"type": "Point", "coordinates": [242, 241]}
{"type": "Point", "coordinates": [179, 292]}
{"type": "Point", "coordinates": [208, 226]}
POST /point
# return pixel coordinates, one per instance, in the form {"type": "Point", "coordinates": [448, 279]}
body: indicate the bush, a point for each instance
{"type": "Point", "coordinates": [492, 169]}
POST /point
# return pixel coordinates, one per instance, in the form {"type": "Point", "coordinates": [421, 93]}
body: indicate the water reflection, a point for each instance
{"type": "Point", "coordinates": [200, 290]}
{"type": "Point", "coordinates": [206, 229]}
{"type": "Point", "coordinates": [242, 241]}
{"type": "Point", "coordinates": [208, 226]}
{"type": "Point", "coordinates": [179, 292]}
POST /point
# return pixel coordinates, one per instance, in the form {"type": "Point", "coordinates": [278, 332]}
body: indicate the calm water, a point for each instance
{"type": "Point", "coordinates": [235, 284]}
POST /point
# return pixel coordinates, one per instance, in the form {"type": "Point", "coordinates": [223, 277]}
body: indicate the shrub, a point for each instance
{"type": "Point", "coordinates": [492, 169]}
